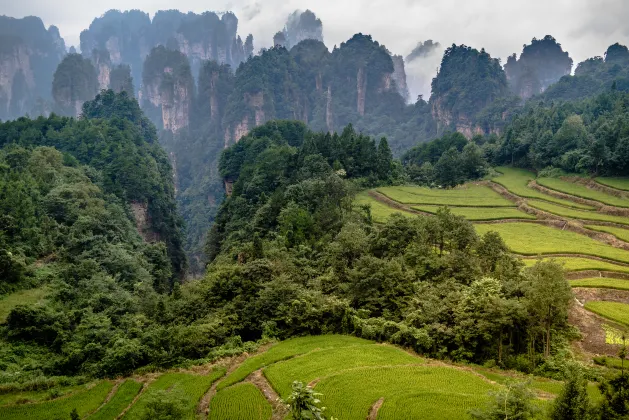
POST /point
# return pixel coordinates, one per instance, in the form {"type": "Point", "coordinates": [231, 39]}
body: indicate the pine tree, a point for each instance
{"type": "Point", "coordinates": [573, 403]}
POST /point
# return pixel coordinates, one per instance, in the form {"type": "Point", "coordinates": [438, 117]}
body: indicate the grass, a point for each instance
{"type": "Point", "coordinates": [620, 233]}
{"type": "Point", "coordinates": [577, 214]}
{"type": "Point", "coordinates": [480, 213]}
{"type": "Point", "coordinates": [468, 196]}
{"type": "Point", "coordinates": [322, 363]}
{"type": "Point", "coordinates": [614, 311]}
{"type": "Point", "coordinates": [287, 349]}
{"type": "Point", "coordinates": [614, 335]}
{"type": "Point", "coordinates": [601, 283]}
{"type": "Point", "coordinates": [27, 397]}
{"type": "Point", "coordinates": [582, 264]}
{"type": "Point", "coordinates": [409, 392]}
{"type": "Point", "coordinates": [614, 182]}
{"type": "Point", "coordinates": [582, 191]}
{"type": "Point", "coordinates": [121, 400]}
{"type": "Point", "coordinates": [85, 401]}
{"type": "Point", "coordinates": [534, 239]}
{"type": "Point", "coordinates": [516, 180]}
{"type": "Point", "coordinates": [191, 387]}
{"type": "Point", "coordinates": [380, 212]}
{"type": "Point", "coordinates": [240, 402]}
{"type": "Point", "coordinates": [23, 297]}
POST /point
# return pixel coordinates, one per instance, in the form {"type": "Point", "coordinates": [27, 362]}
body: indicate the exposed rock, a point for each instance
{"type": "Point", "coordinates": [29, 55]}
{"type": "Point", "coordinates": [329, 115]}
{"type": "Point", "coordinates": [143, 221]}
{"type": "Point", "coordinates": [399, 76]}
{"type": "Point", "coordinates": [361, 91]}
{"type": "Point", "coordinates": [242, 129]}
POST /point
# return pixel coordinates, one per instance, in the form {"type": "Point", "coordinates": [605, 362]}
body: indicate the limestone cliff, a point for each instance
{"type": "Point", "coordinates": [29, 55]}
{"type": "Point", "coordinates": [102, 63]}
{"type": "Point", "coordinates": [130, 36]}
{"type": "Point", "coordinates": [167, 89]}
{"type": "Point", "coordinates": [399, 76]}
{"type": "Point", "coordinates": [542, 63]}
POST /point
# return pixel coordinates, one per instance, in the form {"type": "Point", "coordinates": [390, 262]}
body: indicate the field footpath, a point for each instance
{"type": "Point", "coordinates": [257, 378]}
{"type": "Point", "coordinates": [592, 184]}
{"type": "Point", "coordinates": [394, 204]}
{"type": "Point", "coordinates": [111, 394]}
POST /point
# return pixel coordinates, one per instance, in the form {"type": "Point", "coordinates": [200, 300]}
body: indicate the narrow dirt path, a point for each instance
{"type": "Point", "coordinates": [373, 411]}
{"type": "Point", "coordinates": [586, 274]}
{"type": "Point", "coordinates": [586, 256]}
{"type": "Point", "coordinates": [280, 410]}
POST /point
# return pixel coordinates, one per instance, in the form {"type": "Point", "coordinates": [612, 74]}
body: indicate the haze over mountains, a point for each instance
{"type": "Point", "coordinates": [205, 84]}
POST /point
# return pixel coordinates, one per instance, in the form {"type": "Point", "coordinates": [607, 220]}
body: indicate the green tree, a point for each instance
{"type": "Point", "coordinates": [548, 298]}
{"type": "Point", "coordinates": [513, 402]}
{"type": "Point", "coordinates": [74, 415]}
{"type": "Point", "coordinates": [573, 402]}
{"type": "Point", "coordinates": [448, 171]}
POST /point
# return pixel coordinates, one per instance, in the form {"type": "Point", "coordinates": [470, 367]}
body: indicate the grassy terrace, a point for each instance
{"type": "Point", "coordinates": [582, 191]}
{"type": "Point", "coordinates": [380, 212]}
{"type": "Point", "coordinates": [533, 239]}
{"type": "Point", "coordinates": [323, 363]}
{"type": "Point", "coordinates": [582, 264]}
{"type": "Point", "coordinates": [620, 233]}
{"type": "Point", "coordinates": [614, 311]}
{"type": "Point", "coordinates": [409, 392]}
{"type": "Point", "coordinates": [240, 402]}
{"type": "Point", "coordinates": [469, 196]}
{"type": "Point", "coordinates": [516, 180]}
{"type": "Point", "coordinates": [601, 283]}
{"type": "Point", "coordinates": [577, 214]}
{"type": "Point", "coordinates": [480, 213]}
{"type": "Point", "coordinates": [614, 182]}
{"type": "Point", "coordinates": [288, 349]}
{"type": "Point", "coordinates": [85, 401]}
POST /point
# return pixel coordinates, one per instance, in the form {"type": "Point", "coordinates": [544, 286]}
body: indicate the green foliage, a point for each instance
{"type": "Point", "coordinates": [468, 80]}
{"type": "Point", "coordinates": [573, 402]}
{"type": "Point", "coordinates": [304, 403]}
{"type": "Point", "coordinates": [514, 402]}
{"type": "Point", "coordinates": [75, 81]}
{"type": "Point", "coordinates": [164, 405]}
{"type": "Point", "coordinates": [615, 392]}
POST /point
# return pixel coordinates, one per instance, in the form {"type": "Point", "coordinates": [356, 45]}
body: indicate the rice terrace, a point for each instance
{"type": "Point", "coordinates": [360, 378]}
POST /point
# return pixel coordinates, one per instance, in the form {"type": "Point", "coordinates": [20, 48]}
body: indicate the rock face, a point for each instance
{"type": "Point", "coordinates": [301, 26]}
{"type": "Point", "coordinates": [130, 36]}
{"type": "Point", "coordinates": [399, 76]}
{"type": "Point", "coordinates": [29, 55]}
{"type": "Point", "coordinates": [542, 63]}
{"type": "Point", "coordinates": [167, 89]}
{"type": "Point", "coordinates": [102, 63]}
{"type": "Point", "coordinates": [468, 81]}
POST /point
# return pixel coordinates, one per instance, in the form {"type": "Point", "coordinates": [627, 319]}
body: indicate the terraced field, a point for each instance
{"type": "Point", "coordinates": [240, 402]}
{"type": "Point", "coordinates": [190, 388]}
{"type": "Point", "coordinates": [614, 311]}
{"type": "Point", "coordinates": [85, 401]}
{"type": "Point", "coordinates": [577, 214]}
{"type": "Point", "coordinates": [468, 196]}
{"type": "Point", "coordinates": [480, 213]}
{"type": "Point", "coordinates": [614, 182]}
{"type": "Point", "coordinates": [620, 233]}
{"type": "Point", "coordinates": [379, 212]}
{"type": "Point", "coordinates": [582, 264]}
{"type": "Point", "coordinates": [101, 401]}
{"type": "Point", "coordinates": [534, 239]}
{"type": "Point", "coordinates": [515, 180]}
{"type": "Point", "coordinates": [601, 283]}
{"type": "Point", "coordinates": [582, 191]}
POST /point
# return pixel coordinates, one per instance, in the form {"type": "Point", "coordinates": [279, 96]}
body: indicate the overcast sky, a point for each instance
{"type": "Point", "coordinates": [584, 27]}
